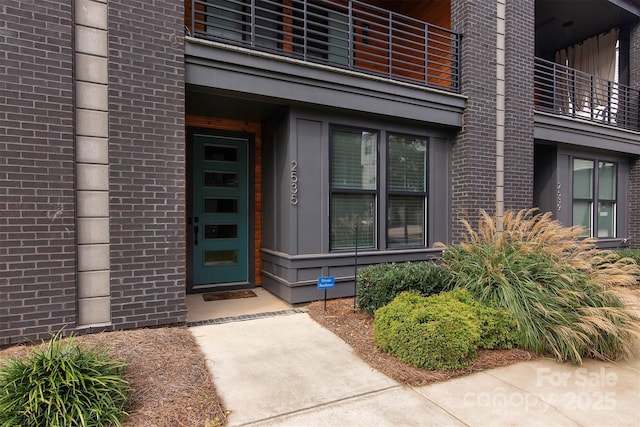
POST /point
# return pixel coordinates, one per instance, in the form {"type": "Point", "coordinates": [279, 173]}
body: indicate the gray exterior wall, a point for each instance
{"type": "Point", "coordinates": [473, 176]}
{"type": "Point", "coordinates": [37, 203]}
{"type": "Point", "coordinates": [296, 248]}
{"type": "Point", "coordinates": [147, 163]}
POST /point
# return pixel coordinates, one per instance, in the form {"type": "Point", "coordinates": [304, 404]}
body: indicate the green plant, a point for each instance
{"type": "Point", "coordinates": [497, 326]}
{"type": "Point", "coordinates": [436, 332]}
{"type": "Point", "coordinates": [62, 384]}
{"type": "Point", "coordinates": [379, 284]}
{"type": "Point", "coordinates": [633, 254]}
{"type": "Point", "coordinates": [557, 285]}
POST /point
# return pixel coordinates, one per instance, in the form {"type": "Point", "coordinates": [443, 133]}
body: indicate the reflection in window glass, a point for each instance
{"type": "Point", "coordinates": [353, 161]}
{"type": "Point", "coordinates": [347, 212]}
{"type": "Point", "coordinates": [606, 219]}
{"type": "Point", "coordinates": [220, 153]}
{"type": "Point", "coordinates": [582, 179]}
{"type": "Point", "coordinates": [221, 179]}
{"type": "Point", "coordinates": [582, 216]}
{"type": "Point", "coordinates": [220, 205]}
{"type": "Point", "coordinates": [224, 257]}
{"type": "Point", "coordinates": [606, 181]}
{"type": "Point", "coordinates": [220, 231]}
{"type": "Point", "coordinates": [354, 171]}
{"type": "Point", "coordinates": [407, 190]}
{"type": "Point", "coordinates": [405, 222]}
{"type": "Point", "coordinates": [407, 163]}
{"type": "Point", "coordinates": [595, 210]}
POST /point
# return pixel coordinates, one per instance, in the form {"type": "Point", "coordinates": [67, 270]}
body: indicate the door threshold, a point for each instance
{"type": "Point", "coordinates": [213, 287]}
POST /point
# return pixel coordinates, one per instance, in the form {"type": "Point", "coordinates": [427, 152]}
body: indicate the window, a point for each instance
{"type": "Point", "coordinates": [225, 20]}
{"type": "Point", "coordinates": [354, 169]}
{"type": "Point", "coordinates": [595, 197]}
{"type": "Point", "coordinates": [322, 34]}
{"type": "Point", "coordinates": [232, 21]}
{"type": "Point", "coordinates": [406, 191]}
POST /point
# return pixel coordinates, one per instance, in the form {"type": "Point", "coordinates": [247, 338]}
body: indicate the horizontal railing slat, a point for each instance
{"type": "Point", "coordinates": [569, 92]}
{"type": "Point", "coordinates": [347, 34]}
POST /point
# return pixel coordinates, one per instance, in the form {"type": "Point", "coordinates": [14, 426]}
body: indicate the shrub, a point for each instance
{"type": "Point", "coordinates": [633, 254]}
{"type": "Point", "coordinates": [379, 284]}
{"type": "Point", "coordinates": [497, 326]}
{"type": "Point", "coordinates": [62, 385]}
{"type": "Point", "coordinates": [556, 285]}
{"type": "Point", "coordinates": [437, 332]}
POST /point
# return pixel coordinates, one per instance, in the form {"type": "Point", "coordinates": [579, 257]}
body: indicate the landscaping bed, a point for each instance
{"type": "Point", "coordinates": [167, 372]}
{"type": "Point", "coordinates": [356, 329]}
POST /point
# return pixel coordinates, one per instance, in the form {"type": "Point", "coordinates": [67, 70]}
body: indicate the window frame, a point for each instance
{"type": "Point", "coordinates": [423, 195]}
{"type": "Point", "coordinates": [352, 191]}
{"type": "Point", "coordinates": [594, 214]}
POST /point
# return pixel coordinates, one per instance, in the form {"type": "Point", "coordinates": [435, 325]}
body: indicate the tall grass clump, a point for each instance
{"type": "Point", "coordinates": [557, 285]}
{"type": "Point", "coordinates": [62, 384]}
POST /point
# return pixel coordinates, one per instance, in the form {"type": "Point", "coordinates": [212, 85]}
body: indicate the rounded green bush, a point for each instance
{"type": "Point", "coordinates": [62, 385]}
{"type": "Point", "coordinates": [498, 328]}
{"type": "Point", "coordinates": [437, 332]}
{"type": "Point", "coordinates": [379, 284]}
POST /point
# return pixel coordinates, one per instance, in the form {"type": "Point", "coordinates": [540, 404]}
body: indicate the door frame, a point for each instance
{"type": "Point", "coordinates": [251, 208]}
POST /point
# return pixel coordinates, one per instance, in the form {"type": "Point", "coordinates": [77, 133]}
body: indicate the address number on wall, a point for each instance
{"type": "Point", "coordinates": [294, 182]}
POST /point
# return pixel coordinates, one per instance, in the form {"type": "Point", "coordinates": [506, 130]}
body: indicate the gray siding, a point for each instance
{"type": "Point", "coordinates": [310, 211]}
{"type": "Point", "coordinates": [296, 236]}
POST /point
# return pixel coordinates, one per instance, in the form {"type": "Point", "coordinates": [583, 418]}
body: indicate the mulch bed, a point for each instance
{"type": "Point", "coordinates": [167, 371]}
{"type": "Point", "coordinates": [356, 329]}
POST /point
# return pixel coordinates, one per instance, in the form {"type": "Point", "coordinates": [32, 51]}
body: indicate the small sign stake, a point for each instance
{"type": "Point", "coordinates": [326, 282]}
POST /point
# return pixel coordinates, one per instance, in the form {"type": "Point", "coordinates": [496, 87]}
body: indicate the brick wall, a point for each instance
{"type": "Point", "coordinates": [634, 181]}
{"type": "Point", "coordinates": [37, 205]}
{"type": "Point", "coordinates": [147, 137]}
{"type": "Point", "coordinates": [518, 161]}
{"type": "Point", "coordinates": [473, 176]}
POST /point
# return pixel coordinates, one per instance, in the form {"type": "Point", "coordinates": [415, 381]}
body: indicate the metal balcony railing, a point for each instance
{"type": "Point", "coordinates": [346, 34]}
{"type": "Point", "coordinates": [570, 92]}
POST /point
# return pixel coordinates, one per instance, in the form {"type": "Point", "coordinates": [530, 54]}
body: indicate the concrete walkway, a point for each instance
{"type": "Point", "coordinates": [283, 369]}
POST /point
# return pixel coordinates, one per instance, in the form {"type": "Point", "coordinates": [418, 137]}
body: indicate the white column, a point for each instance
{"type": "Point", "coordinates": [500, 116]}
{"type": "Point", "coordinates": [92, 162]}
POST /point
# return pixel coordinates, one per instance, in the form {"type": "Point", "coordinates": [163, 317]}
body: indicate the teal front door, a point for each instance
{"type": "Point", "coordinates": [220, 214]}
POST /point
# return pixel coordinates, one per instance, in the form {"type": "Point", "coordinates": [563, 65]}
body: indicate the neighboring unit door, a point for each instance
{"type": "Point", "coordinates": [220, 210]}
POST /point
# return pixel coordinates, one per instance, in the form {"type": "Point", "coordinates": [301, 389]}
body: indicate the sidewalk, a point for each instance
{"type": "Point", "coordinates": [283, 369]}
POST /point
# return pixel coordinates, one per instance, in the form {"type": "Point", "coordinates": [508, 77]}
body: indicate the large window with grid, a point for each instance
{"type": "Point", "coordinates": [406, 190]}
{"type": "Point", "coordinates": [595, 197]}
{"type": "Point", "coordinates": [354, 187]}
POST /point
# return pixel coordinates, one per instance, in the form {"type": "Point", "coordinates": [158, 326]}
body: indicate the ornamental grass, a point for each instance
{"type": "Point", "coordinates": [558, 286]}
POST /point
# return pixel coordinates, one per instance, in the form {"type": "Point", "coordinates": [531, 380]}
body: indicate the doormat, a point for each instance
{"type": "Point", "coordinates": [218, 296]}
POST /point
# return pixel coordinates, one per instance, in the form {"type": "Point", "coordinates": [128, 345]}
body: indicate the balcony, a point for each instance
{"type": "Point", "coordinates": [569, 92]}
{"type": "Point", "coordinates": [349, 35]}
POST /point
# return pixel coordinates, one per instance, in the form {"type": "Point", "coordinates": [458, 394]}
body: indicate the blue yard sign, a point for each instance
{"type": "Point", "coordinates": [327, 282]}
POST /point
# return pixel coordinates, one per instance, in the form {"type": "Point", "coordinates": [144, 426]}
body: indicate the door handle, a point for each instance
{"type": "Point", "coordinates": [195, 235]}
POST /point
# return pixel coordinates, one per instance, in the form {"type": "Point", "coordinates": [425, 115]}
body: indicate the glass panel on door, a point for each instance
{"type": "Point", "coordinates": [220, 210]}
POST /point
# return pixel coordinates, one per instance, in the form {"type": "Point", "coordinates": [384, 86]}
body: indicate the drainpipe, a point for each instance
{"type": "Point", "coordinates": [500, 113]}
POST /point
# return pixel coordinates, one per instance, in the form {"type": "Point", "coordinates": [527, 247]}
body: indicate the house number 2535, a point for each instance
{"type": "Point", "coordinates": [294, 182]}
